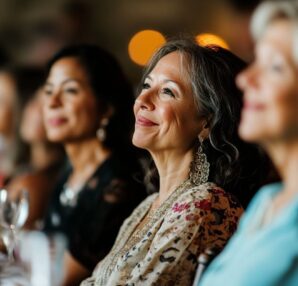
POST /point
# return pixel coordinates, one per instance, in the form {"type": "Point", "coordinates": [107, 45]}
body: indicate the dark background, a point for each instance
{"type": "Point", "coordinates": [32, 30]}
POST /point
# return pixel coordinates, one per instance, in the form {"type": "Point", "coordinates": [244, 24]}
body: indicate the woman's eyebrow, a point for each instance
{"type": "Point", "coordinates": [65, 81]}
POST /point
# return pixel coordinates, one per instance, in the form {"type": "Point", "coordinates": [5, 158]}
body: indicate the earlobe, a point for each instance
{"type": "Point", "coordinates": [103, 123]}
{"type": "Point", "coordinates": [203, 135]}
{"type": "Point", "coordinates": [110, 111]}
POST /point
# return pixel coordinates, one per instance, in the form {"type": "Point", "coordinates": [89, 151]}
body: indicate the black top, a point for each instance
{"type": "Point", "coordinates": [92, 224]}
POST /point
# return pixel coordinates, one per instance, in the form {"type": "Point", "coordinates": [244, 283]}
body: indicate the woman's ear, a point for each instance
{"type": "Point", "coordinates": [109, 112]}
{"type": "Point", "coordinates": [106, 115]}
{"type": "Point", "coordinates": [204, 132]}
{"type": "Point", "coordinates": [103, 123]}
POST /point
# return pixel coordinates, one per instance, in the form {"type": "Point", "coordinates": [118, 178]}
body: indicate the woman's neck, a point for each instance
{"type": "Point", "coordinates": [285, 158]}
{"type": "Point", "coordinates": [85, 157]}
{"type": "Point", "coordinates": [173, 169]}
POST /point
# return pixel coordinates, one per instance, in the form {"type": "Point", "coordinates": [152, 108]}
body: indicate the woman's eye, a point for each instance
{"type": "Point", "coordinates": [71, 90]}
{"type": "Point", "coordinates": [168, 92]}
{"type": "Point", "coordinates": [277, 67]}
{"type": "Point", "coordinates": [145, 85]}
{"type": "Point", "coordinates": [47, 91]}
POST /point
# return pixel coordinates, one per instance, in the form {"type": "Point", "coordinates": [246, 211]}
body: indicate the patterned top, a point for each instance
{"type": "Point", "coordinates": [165, 250]}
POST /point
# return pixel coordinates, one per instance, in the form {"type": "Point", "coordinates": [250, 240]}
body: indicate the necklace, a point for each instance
{"type": "Point", "coordinates": [69, 196]}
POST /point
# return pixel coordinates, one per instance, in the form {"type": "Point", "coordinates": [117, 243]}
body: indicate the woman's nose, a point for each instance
{"type": "Point", "coordinates": [247, 78]}
{"type": "Point", "coordinates": [145, 100]}
{"type": "Point", "coordinates": [54, 100]}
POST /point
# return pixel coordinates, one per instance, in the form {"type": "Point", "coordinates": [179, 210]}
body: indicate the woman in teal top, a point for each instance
{"type": "Point", "coordinates": [259, 255]}
{"type": "Point", "coordinates": [264, 250]}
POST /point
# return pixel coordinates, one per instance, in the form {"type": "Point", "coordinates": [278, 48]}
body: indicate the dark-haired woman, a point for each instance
{"type": "Point", "coordinates": [88, 108]}
{"type": "Point", "coordinates": [187, 115]}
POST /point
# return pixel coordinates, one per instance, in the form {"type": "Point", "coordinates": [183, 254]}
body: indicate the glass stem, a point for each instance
{"type": "Point", "coordinates": [11, 245]}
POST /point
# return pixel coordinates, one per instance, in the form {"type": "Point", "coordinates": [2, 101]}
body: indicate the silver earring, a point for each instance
{"type": "Point", "coordinates": [101, 131]}
{"type": "Point", "coordinates": [199, 167]}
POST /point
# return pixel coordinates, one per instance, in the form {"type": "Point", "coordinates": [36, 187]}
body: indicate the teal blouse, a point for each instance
{"type": "Point", "coordinates": [260, 255]}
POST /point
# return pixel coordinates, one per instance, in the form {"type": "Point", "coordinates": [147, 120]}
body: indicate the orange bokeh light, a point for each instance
{"type": "Point", "coordinates": [211, 39]}
{"type": "Point", "coordinates": [143, 45]}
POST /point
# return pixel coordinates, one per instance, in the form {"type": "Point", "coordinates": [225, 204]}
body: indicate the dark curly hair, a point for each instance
{"type": "Point", "coordinates": [236, 166]}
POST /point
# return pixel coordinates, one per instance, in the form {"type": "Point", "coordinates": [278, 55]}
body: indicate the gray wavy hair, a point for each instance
{"type": "Point", "coordinates": [271, 11]}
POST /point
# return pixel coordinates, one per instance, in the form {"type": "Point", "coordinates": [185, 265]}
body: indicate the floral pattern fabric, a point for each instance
{"type": "Point", "coordinates": [165, 251]}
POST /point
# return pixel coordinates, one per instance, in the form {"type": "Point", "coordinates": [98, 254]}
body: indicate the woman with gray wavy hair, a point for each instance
{"type": "Point", "coordinates": [264, 250]}
{"type": "Point", "coordinates": [186, 117]}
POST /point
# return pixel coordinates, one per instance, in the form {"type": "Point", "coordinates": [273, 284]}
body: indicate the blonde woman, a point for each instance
{"type": "Point", "coordinates": [264, 251]}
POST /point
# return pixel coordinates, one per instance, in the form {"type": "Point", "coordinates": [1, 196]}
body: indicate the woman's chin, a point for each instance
{"type": "Point", "coordinates": [56, 137]}
{"type": "Point", "coordinates": [140, 141]}
{"type": "Point", "coordinates": [248, 133]}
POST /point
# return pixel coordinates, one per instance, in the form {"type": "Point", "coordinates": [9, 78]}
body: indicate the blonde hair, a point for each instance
{"type": "Point", "coordinates": [270, 11]}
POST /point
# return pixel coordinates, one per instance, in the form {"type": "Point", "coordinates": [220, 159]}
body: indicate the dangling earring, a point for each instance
{"type": "Point", "coordinates": [199, 167]}
{"type": "Point", "coordinates": [101, 131]}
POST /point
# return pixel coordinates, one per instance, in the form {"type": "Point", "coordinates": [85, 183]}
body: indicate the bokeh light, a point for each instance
{"type": "Point", "coordinates": [211, 39]}
{"type": "Point", "coordinates": [143, 44]}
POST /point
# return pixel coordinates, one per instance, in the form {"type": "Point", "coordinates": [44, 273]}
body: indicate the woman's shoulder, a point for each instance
{"type": "Point", "coordinates": [207, 207]}
{"type": "Point", "coordinates": [206, 189]}
{"type": "Point", "coordinates": [206, 200]}
{"type": "Point", "coordinates": [209, 191]}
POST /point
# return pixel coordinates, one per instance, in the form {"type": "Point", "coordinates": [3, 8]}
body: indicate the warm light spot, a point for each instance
{"type": "Point", "coordinates": [211, 39]}
{"type": "Point", "coordinates": [143, 45]}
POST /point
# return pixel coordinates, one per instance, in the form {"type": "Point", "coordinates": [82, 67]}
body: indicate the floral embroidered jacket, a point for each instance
{"type": "Point", "coordinates": [165, 250]}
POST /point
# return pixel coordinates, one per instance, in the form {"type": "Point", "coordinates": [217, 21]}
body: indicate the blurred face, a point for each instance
{"type": "Point", "coordinates": [166, 116]}
{"type": "Point", "coordinates": [7, 103]}
{"type": "Point", "coordinates": [32, 127]}
{"type": "Point", "coordinates": [270, 88]}
{"type": "Point", "coordinates": [70, 107]}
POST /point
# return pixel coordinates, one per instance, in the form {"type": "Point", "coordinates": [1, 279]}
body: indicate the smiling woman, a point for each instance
{"type": "Point", "coordinates": [264, 250]}
{"type": "Point", "coordinates": [187, 114]}
{"type": "Point", "coordinates": [269, 111]}
{"type": "Point", "coordinates": [67, 86]}
{"type": "Point", "coordinates": [88, 108]}
{"type": "Point", "coordinates": [166, 104]}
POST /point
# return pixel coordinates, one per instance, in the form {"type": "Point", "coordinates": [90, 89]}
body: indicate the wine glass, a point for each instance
{"type": "Point", "coordinates": [13, 215]}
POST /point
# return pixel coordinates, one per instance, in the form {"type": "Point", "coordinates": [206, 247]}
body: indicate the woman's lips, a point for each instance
{"type": "Point", "coordinates": [56, 121]}
{"type": "Point", "coordinates": [249, 106]}
{"type": "Point", "coordinates": [142, 121]}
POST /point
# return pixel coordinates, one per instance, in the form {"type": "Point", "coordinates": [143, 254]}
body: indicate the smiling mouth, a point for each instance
{"type": "Point", "coordinates": [248, 106]}
{"type": "Point", "coordinates": [142, 121]}
{"type": "Point", "coordinates": [56, 121]}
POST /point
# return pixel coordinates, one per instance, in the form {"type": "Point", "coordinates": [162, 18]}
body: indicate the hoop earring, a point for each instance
{"type": "Point", "coordinates": [101, 131]}
{"type": "Point", "coordinates": [199, 167]}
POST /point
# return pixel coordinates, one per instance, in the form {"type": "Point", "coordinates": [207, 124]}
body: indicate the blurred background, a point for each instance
{"type": "Point", "coordinates": [32, 30]}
